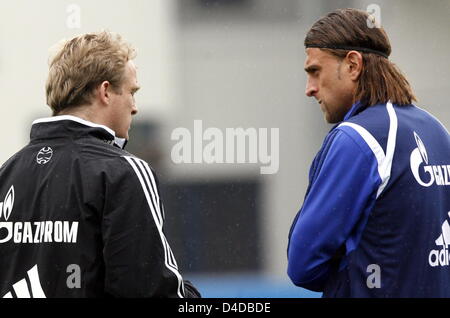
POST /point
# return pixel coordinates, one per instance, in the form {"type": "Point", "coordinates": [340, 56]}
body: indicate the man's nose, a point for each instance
{"type": "Point", "coordinates": [311, 89]}
{"type": "Point", "coordinates": [134, 110]}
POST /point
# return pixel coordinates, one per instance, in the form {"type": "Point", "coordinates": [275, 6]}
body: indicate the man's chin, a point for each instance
{"type": "Point", "coordinates": [328, 118]}
{"type": "Point", "coordinates": [326, 115]}
{"type": "Point", "coordinates": [332, 119]}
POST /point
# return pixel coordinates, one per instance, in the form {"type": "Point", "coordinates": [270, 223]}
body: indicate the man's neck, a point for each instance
{"type": "Point", "coordinates": [86, 112]}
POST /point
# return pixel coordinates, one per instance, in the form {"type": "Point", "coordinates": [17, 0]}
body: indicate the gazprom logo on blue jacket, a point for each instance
{"type": "Point", "coordinates": [435, 174]}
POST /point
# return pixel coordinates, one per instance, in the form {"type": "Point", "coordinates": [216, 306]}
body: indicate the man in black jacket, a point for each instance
{"type": "Point", "coordinates": [80, 216]}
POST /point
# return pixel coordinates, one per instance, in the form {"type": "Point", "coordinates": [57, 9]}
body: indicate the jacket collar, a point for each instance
{"type": "Point", "coordinates": [354, 110]}
{"type": "Point", "coordinates": [68, 125]}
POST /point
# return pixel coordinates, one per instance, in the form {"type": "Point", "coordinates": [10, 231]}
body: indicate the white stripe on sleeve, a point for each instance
{"type": "Point", "coordinates": [167, 251]}
{"type": "Point", "coordinates": [384, 160]}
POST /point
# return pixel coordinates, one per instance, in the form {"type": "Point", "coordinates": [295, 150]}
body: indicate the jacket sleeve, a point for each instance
{"type": "Point", "coordinates": [138, 259]}
{"type": "Point", "coordinates": [343, 186]}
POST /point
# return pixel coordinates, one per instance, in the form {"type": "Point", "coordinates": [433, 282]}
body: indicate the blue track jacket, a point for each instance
{"type": "Point", "coordinates": [375, 219]}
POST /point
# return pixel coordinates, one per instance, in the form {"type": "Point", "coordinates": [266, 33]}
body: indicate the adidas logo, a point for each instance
{"type": "Point", "coordinates": [28, 288]}
{"type": "Point", "coordinates": [441, 257]}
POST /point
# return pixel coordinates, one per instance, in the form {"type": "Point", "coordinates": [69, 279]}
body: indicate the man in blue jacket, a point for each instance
{"type": "Point", "coordinates": [375, 219]}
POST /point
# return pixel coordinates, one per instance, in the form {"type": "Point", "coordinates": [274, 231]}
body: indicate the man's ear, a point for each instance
{"type": "Point", "coordinates": [103, 92]}
{"type": "Point", "coordinates": [355, 63]}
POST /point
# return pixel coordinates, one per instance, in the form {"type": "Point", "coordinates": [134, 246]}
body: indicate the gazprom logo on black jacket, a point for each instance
{"type": "Point", "coordinates": [33, 232]}
{"type": "Point", "coordinates": [439, 174]}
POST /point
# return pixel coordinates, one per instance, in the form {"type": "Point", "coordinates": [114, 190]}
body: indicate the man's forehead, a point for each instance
{"type": "Point", "coordinates": [315, 56]}
{"type": "Point", "coordinates": [131, 66]}
{"type": "Point", "coordinates": [130, 72]}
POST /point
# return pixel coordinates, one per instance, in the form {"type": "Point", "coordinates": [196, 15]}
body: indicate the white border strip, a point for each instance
{"type": "Point", "coordinates": [148, 176]}
{"type": "Point", "coordinates": [167, 250]}
{"type": "Point", "coordinates": [155, 198]}
{"type": "Point", "coordinates": [384, 160]}
{"type": "Point", "coordinates": [156, 204]}
{"type": "Point", "coordinates": [390, 147]}
{"type": "Point", "coordinates": [73, 118]}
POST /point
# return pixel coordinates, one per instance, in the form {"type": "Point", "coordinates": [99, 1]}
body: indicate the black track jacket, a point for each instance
{"type": "Point", "coordinates": [81, 217]}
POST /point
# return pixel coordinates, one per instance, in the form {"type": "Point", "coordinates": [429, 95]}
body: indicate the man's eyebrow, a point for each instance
{"type": "Point", "coordinates": [135, 89]}
{"type": "Point", "coordinates": [312, 68]}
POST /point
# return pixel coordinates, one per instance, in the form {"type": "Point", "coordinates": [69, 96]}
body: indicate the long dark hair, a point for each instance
{"type": "Point", "coordinates": [380, 79]}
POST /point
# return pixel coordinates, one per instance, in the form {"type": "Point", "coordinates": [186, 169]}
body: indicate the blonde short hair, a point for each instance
{"type": "Point", "coordinates": [83, 63]}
